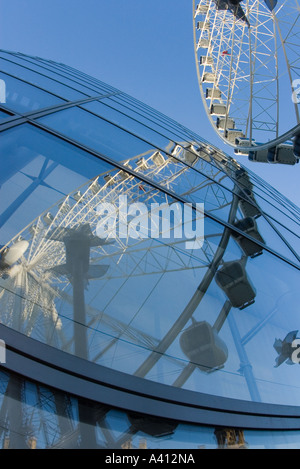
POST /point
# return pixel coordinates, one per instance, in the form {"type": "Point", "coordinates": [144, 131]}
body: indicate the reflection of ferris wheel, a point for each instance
{"type": "Point", "coordinates": [48, 265]}
{"type": "Point", "coordinates": [248, 58]}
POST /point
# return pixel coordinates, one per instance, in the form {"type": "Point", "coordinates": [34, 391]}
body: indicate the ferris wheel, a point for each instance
{"type": "Point", "coordinates": [248, 62]}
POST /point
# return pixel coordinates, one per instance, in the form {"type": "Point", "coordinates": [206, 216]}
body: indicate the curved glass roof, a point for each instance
{"type": "Point", "coordinates": [101, 199]}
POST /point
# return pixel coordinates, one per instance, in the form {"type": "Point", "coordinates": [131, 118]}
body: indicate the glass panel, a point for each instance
{"type": "Point", "coordinates": [23, 97]}
{"type": "Point", "coordinates": [278, 214]}
{"type": "Point", "coordinates": [154, 303]}
{"type": "Point", "coordinates": [87, 80]}
{"type": "Point", "coordinates": [42, 69]}
{"type": "Point", "coordinates": [156, 122]}
{"type": "Point", "coordinates": [163, 168]}
{"type": "Point", "coordinates": [259, 228]}
{"type": "Point", "coordinates": [52, 69]}
{"type": "Point", "coordinates": [148, 114]}
{"type": "Point", "coordinates": [38, 77]}
{"type": "Point", "coordinates": [269, 200]}
{"type": "Point", "coordinates": [255, 335]}
{"type": "Point", "coordinates": [285, 206]}
{"type": "Point", "coordinates": [126, 122]}
{"type": "Point", "coordinates": [96, 133]}
{"type": "Point", "coordinates": [61, 421]}
{"type": "Point", "coordinates": [292, 238]}
{"type": "Point", "coordinates": [4, 115]}
{"type": "Point", "coordinates": [156, 135]}
{"type": "Point", "coordinates": [160, 167]}
{"type": "Point", "coordinates": [212, 158]}
{"type": "Point", "coordinates": [37, 171]}
{"type": "Point", "coordinates": [118, 144]}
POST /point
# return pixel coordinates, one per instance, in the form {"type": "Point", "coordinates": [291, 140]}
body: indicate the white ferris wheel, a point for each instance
{"type": "Point", "coordinates": [248, 66]}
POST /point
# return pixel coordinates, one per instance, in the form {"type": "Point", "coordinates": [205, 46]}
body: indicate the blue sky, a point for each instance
{"type": "Point", "coordinates": [143, 48]}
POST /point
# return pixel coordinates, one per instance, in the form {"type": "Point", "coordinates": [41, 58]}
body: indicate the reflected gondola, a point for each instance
{"type": "Point", "coordinates": [250, 248]}
{"type": "Point", "coordinates": [233, 280]}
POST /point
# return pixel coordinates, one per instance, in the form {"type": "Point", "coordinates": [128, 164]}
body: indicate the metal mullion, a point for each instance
{"type": "Point", "coordinates": [164, 151]}
{"type": "Point", "coordinates": [50, 110]}
{"type": "Point", "coordinates": [283, 226]}
{"type": "Point", "coordinates": [265, 190]}
{"type": "Point", "coordinates": [4, 109]}
{"type": "Point", "coordinates": [248, 199]}
{"type": "Point", "coordinates": [54, 66]}
{"type": "Point", "coordinates": [168, 122]}
{"type": "Point", "coordinates": [156, 186]}
{"type": "Point", "coordinates": [35, 61]}
{"type": "Point", "coordinates": [134, 102]}
{"type": "Point", "coordinates": [236, 182]}
{"type": "Point", "coordinates": [188, 134]}
{"type": "Point", "coordinates": [30, 119]}
{"type": "Point", "coordinates": [128, 105]}
{"type": "Point", "coordinates": [77, 74]}
{"type": "Point", "coordinates": [184, 163]}
{"type": "Point", "coordinates": [265, 216]}
{"type": "Point", "coordinates": [130, 117]}
{"type": "Point", "coordinates": [172, 126]}
{"type": "Point", "coordinates": [280, 203]}
{"type": "Point", "coordinates": [259, 184]}
{"type": "Point", "coordinates": [13, 122]}
{"type": "Point", "coordinates": [35, 86]}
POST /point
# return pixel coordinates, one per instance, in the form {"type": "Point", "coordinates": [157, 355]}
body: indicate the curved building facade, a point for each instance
{"type": "Point", "coordinates": [149, 284]}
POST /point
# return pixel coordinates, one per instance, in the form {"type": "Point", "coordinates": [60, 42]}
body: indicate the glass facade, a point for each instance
{"type": "Point", "coordinates": [131, 245]}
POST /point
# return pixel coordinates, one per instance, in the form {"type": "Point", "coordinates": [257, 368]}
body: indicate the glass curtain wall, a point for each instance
{"type": "Point", "coordinates": [131, 242]}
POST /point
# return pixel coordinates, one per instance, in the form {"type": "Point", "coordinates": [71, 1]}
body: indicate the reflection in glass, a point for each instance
{"type": "Point", "coordinates": [34, 416]}
{"type": "Point", "coordinates": [38, 77]}
{"type": "Point", "coordinates": [4, 115]}
{"type": "Point", "coordinates": [94, 261]}
{"type": "Point", "coordinates": [106, 300]}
